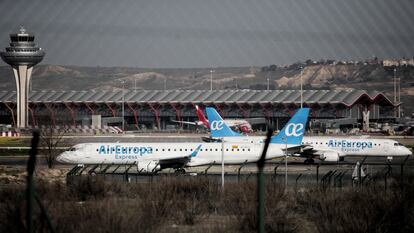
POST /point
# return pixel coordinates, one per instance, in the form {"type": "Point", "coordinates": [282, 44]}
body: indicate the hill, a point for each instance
{"type": "Point", "coordinates": [316, 75]}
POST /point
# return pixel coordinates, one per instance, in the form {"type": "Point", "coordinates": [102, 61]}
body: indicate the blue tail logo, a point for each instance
{"type": "Point", "coordinates": [294, 130]}
{"type": "Point", "coordinates": [218, 126]}
{"type": "Point", "coordinates": [195, 152]}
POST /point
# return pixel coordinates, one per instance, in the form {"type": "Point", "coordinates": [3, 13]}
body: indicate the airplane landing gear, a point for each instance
{"type": "Point", "coordinates": [309, 161]}
{"type": "Point", "coordinates": [179, 171]}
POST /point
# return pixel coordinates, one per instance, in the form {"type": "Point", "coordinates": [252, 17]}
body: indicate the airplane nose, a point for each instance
{"type": "Point", "coordinates": [60, 158]}
{"type": "Point", "coordinates": [63, 157]}
{"type": "Point", "coordinates": [409, 152]}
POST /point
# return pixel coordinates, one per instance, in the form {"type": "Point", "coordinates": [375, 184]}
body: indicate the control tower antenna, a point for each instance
{"type": "Point", "coordinates": [22, 55]}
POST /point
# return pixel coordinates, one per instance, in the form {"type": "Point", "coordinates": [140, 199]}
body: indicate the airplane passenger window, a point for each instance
{"type": "Point", "coordinates": [211, 149]}
{"type": "Point", "coordinates": [181, 149]}
{"type": "Point", "coordinates": [175, 149]}
{"type": "Point", "coordinates": [227, 149]}
{"type": "Point", "coordinates": [156, 149]}
{"type": "Point", "coordinates": [216, 149]}
{"type": "Point", "coordinates": [185, 149]}
{"type": "Point", "coordinates": [168, 149]}
{"type": "Point", "coordinates": [162, 149]}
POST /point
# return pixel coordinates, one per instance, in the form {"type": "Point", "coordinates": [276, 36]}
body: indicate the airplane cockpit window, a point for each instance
{"type": "Point", "coordinates": [72, 149]}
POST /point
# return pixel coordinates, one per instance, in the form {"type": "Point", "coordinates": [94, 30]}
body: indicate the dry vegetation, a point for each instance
{"type": "Point", "coordinates": [196, 204]}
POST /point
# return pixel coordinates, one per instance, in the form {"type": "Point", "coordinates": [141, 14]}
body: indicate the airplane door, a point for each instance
{"type": "Point", "coordinates": [258, 150]}
{"type": "Point", "coordinates": [386, 147]}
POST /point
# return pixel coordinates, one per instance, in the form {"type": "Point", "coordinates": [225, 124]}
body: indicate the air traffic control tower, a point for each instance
{"type": "Point", "coordinates": [22, 55]}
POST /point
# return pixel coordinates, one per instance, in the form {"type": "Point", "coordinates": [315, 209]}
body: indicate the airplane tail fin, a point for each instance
{"type": "Point", "coordinates": [218, 126]}
{"type": "Point", "coordinates": [201, 117]}
{"type": "Point", "coordinates": [292, 133]}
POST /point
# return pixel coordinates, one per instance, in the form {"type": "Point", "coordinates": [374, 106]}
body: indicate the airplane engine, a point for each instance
{"type": "Point", "coordinates": [330, 156]}
{"type": "Point", "coordinates": [148, 166]}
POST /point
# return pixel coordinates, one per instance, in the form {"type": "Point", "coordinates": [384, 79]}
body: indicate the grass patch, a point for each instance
{"type": "Point", "coordinates": [14, 142]}
{"type": "Point", "coordinates": [197, 204]}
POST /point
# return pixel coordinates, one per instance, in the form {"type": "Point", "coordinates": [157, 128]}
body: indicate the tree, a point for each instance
{"type": "Point", "coordinates": [50, 140]}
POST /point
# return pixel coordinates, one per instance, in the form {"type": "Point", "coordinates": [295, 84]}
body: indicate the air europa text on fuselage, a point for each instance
{"type": "Point", "coordinates": [349, 145]}
{"type": "Point", "coordinates": [124, 150]}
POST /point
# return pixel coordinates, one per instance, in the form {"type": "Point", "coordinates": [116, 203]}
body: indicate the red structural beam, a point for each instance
{"type": "Point", "coordinates": [267, 111]}
{"type": "Point", "coordinates": [72, 112]}
{"type": "Point", "coordinates": [90, 107]}
{"type": "Point", "coordinates": [32, 110]}
{"type": "Point", "coordinates": [178, 109]}
{"type": "Point", "coordinates": [155, 109]}
{"type": "Point", "coordinates": [220, 110]}
{"type": "Point", "coordinates": [135, 111]}
{"type": "Point", "coordinates": [12, 112]}
{"type": "Point", "coordinates": [290, 109]}
{"type": "Point", "coordinates": [245, 111]}
{"type": "Point", "coordinates": [113, 110]}
{"type": "Point", "coordinates": [50, 108]}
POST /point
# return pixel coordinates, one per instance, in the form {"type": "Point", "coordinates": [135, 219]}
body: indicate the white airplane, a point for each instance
{"type": "Point", "coordinates": [240, 124]}
{"type": "Point", "coordinates": [152, 157]}
{"type": "Point", "coordinates": [326, 148]}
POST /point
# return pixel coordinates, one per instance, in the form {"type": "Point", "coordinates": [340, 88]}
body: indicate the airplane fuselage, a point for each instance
{"type": "Point", "coordinates": [209, 153]}
{"type": "Point", "coordinates": [344, 146]}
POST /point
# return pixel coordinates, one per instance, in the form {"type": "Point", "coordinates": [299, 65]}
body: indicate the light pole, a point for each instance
{"type": "Point", "coordinates": [211, 80]}
{"type": "Point", "coordinates": [135, 85]}
{"type": "Point", "coordinates": [395, 89]}
{"type": "Point", "coordinates": [222, 164]}
{"type": "Point", "coordinates": [301, 88]}
{"type": "Point", "coordinates": [286, 155]}
{"type": "Point", "coordinates": [268, 83]}
{"type": "Point", "coordinates": [165, 84]}
{"type": "Point", "coordinates": [123, 106]}
{"type": "Point", "coordinates": [399, 96]}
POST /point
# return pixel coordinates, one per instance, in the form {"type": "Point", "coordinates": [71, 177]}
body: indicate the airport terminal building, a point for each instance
{"type": "Point", "coordinates": [154, 109]}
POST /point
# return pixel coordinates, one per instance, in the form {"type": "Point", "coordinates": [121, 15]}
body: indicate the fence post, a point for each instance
{"type": "Point", "coordinates": [29, 191]}
{"type": "Point", "coordinates": [260, 184]}
{"type": "Point", "coordinates": [317, 173]}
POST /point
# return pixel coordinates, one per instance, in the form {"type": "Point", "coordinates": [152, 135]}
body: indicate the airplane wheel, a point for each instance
{"type": "Point", "coordinates": [180, 171]}
{"type": "Point", "coordinates": [309, 161]}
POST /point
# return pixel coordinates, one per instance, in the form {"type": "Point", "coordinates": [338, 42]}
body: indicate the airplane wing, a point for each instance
{"type": "Point", "coordinates": [299, 149]}
{"type": "Point", "coordinates": [308, 151]}
{"type": "Point", "coordinates": [173, 160]}
{"type": "Point", "coordinates": [186, 122]}
{"type": "Point", "coordinates": [256, 121]}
